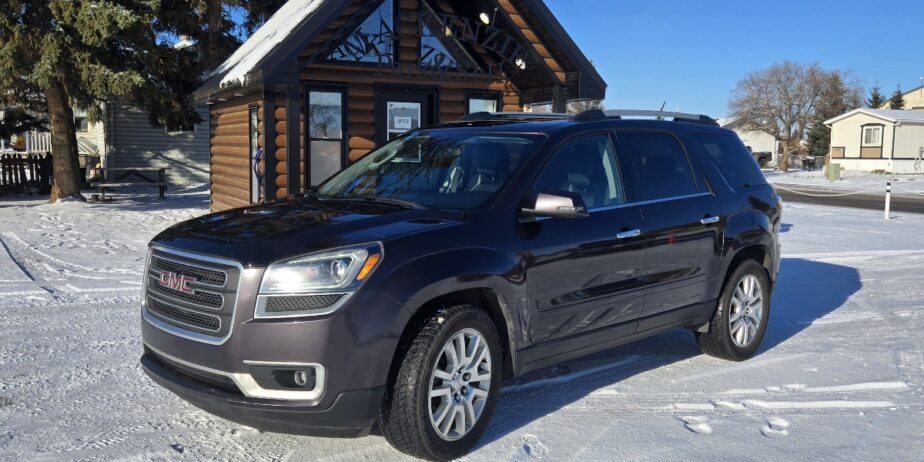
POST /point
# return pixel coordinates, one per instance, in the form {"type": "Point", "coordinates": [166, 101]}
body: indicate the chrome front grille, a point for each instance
{"type": "Point", "coordinates": [188, 317]}
{"type": "Point", "coordinates": [208, 276]}
{"type": "Point", "coordinates": [191, 296]}
{"type": "Point", "coordinates": [206, 298]}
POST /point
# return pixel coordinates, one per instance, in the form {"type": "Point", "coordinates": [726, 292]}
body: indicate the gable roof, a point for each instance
{"type": "Point", "coordinates": [277, 29]}
{"type": "Point", "coordinates": [293, 27]}
{"type": "Point", "coordinates": [889, 115]}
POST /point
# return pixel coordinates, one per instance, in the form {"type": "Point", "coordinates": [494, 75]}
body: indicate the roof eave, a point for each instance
{"type": "Point", "coordinates": [592, 85]}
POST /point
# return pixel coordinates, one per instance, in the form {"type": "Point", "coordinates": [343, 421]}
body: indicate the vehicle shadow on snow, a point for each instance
{"type": "Point", "coordinates": [806, 291]}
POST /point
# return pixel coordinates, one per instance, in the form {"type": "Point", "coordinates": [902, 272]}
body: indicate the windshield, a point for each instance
{"type": "Point", "coordinates": [455, 171]}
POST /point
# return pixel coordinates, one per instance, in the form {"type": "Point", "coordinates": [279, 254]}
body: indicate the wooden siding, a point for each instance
{"type": "Point", "coordinates": [134, 143]}
{"type": "Point", "coordinates": [230, 174]}
{"type": "Point", "coordinates": [230, 151]}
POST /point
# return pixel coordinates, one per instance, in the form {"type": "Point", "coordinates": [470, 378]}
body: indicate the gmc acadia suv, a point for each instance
{"type": "Point", "coordinates": [405, 288]}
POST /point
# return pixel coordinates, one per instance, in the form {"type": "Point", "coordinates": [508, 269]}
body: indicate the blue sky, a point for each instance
{"type": "Point", "coordinates": [691, 53]}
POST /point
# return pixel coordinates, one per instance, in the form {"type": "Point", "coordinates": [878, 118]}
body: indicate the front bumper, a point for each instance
{"type": "Point", "coordinates": [351, 414]}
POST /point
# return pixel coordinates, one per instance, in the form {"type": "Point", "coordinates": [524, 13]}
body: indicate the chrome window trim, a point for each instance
{"type": "Point", "coordinates": [194, 256]}
{"type": "Point", "coordinates": [649, 202]}
{"type": "Point", "coordinates": [174, 330]}
{"type": "Point", "coordinates": [260, 311]}
{"type": "Point", "coordinates": [179, 300]}
{"type": "Point", "coordinates": [250, 388]}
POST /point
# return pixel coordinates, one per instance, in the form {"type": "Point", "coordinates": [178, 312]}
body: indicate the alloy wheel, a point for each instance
{"type": "Point", "coordinates": [746, 311]}
{"type": "Point", "coordinates": [459, 384]}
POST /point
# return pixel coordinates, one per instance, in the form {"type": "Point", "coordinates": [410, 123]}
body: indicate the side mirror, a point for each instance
{"type": "Point", "coordinates": [557, 204]}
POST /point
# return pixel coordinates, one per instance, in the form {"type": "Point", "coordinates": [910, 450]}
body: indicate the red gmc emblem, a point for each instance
{"type": "Point", "coordinates": [177, 282]}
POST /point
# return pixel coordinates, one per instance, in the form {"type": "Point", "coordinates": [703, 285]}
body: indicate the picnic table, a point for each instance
{"type": "Point", "coordinates": [128, 177]}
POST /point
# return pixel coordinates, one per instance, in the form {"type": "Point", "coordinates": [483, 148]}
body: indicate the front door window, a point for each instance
{"type": "Point", "coordinates": [402, 117]}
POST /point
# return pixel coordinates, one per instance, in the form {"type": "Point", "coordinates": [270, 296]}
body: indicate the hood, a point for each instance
{"type": "Point", "coordinates": [257, 236]}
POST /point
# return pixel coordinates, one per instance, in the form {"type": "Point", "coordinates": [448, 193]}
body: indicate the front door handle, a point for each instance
{"type": "Point", "coordinates": [709, 220]}
{"type": "Point", "coordinates": [629, 234]}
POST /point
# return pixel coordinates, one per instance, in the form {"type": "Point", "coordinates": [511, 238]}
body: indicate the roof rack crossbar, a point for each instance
{"type": "Point", "coordinates": [676, 116]}
{"type": "Point", "coordinates": [591, 116]}
{"type": "Point", "coordinates": [481, 116]}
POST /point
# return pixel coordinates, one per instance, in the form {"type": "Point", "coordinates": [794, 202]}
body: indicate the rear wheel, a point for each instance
{"type": "Point", "coordinates": [440, 401]}
{"type": "Point", "coordinates": [740, 320]}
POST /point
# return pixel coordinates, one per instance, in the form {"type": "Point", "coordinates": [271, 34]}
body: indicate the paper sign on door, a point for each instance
{"type": "Point", "coordinates": [402, 123]}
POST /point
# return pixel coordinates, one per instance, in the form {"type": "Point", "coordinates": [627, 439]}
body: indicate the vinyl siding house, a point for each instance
{"type": "Point", "coordinates": [757, 140]}
{"type": "Point", "coordinates": [914, 100]}
{"type": "Point", "coordinates": [878, 140]}
{"type": "Point", "coordinates": [125, 139]}
{"type": "Point", "coordinates": [129, 141]}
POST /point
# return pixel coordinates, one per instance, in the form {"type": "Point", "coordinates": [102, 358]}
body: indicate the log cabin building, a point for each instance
{"type": "Point", "coordinates": [324, 82]}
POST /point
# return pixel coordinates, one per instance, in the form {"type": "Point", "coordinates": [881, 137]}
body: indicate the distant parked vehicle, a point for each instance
{"type": "Point", "coordinates": [763, 158]}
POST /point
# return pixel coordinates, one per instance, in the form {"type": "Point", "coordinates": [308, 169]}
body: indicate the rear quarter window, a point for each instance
{"type": "Point", "coordinates": [733, 160]}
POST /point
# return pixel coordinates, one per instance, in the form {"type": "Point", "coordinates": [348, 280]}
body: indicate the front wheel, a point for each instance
{"type": "Point", "coordinates": [740, 320]}
{"type": "Point", "coordinates": [440, 401]}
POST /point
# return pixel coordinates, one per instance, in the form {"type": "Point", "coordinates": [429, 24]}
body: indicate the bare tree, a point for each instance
{"type": "Point", "coordinates": [783, 101]}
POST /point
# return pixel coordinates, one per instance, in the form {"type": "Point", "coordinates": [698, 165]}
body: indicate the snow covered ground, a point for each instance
{"type": "Point", "coordinates": [850, 182]}
{"type": "Point", "coordinates": [840, 375]}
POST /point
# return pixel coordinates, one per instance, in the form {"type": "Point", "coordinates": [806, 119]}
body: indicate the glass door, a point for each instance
{"type": "Point", "coordinates": [400, 111]}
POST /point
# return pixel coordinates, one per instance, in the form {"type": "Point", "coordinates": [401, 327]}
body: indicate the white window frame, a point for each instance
{"type": "Point", "coordinates": [878, 142]}
{"type": "Point", "coordinates": [179, 132]}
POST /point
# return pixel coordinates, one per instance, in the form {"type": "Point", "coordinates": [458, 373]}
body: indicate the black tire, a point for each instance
{"type": "Point", "coordinates": [718, 341]}
{"type": "Point", "coordinates": [405, 418]}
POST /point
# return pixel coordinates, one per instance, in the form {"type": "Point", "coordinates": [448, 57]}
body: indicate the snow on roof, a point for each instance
{"type": "Point", "coordinates": [890, 115]}
{"type": "Point", "coordinates": [264, 40]}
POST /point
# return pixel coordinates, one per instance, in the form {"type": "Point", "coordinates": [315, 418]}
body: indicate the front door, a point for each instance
{"type": "Point", "coordinates": [585, 274]}
{"type": "Point", "coordinates": [398, 111]}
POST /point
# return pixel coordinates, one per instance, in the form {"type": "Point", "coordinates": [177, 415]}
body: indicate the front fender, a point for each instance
{"type": "Point", "coordinates": [456, 270]}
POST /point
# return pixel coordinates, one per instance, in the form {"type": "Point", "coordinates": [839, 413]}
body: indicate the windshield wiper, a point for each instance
{"type": "Point", "coordinates": [392, 201]}
{"type": "Point", "coordinates": [381, 200]}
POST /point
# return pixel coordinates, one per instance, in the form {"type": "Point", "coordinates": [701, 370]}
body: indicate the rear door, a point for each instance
{"type": "Point", "coordinates": [682, 218]}
{"type": "Point", "coordinates": [585, 274]}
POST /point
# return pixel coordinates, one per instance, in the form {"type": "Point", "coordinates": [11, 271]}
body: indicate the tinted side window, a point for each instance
{"type": "Point", "coordinates": [661, 167]}
{"type": "Point", "coordinates": [588, 167]}
{"type": "Point", "coordinates": [732, 159]}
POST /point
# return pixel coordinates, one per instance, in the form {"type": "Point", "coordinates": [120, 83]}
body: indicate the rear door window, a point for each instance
{"type": "Point", "coordinates": [660, 165]}
{"type": "Point", "coordinates": [733, 160]}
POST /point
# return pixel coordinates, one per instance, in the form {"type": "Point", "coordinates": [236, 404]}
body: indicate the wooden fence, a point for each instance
{"type": "Point", "coordinates": [25, 173]}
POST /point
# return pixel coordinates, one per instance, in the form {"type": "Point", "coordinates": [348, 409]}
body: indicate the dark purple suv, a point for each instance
{"type": "Point", "coordinates": [408, 286]}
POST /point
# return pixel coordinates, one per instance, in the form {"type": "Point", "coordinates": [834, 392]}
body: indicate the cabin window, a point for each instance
{"type": "Point", "coordinates": [81, 124]}
{"type": "Point", "coordinates": [482, 102]}
{"type": "Point", "coordinates": [325, 134]}
{"type": "Point", "coordinates": [185, 129]}
{"type": "Point", "coordinates": [872, 136]}
{"type": "Point", "coordinates": [373, 42]}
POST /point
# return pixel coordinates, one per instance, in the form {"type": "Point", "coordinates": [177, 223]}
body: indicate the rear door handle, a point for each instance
{"type": "Point", "coordinates": [709, 220]}
{"type": "Point", "coordinates": [629, 234]}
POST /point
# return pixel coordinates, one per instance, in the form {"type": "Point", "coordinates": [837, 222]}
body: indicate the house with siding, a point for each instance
{"type": "Point", "coordinates": [757, 140]}
{"type": "Point", "coordinates": [914, 100]}
{"type": "Point", "coordinates": [127, 140]}
{"type": "Point", "coordinates": [324, 82]}
{"type": "Point", "coordinates": [878, 140]}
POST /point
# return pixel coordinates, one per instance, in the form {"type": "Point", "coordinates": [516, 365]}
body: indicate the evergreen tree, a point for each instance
{"type": "Point", "coordinates": [209, 24]}
{"type": "Point", "coordinates": [838, 95]}
{"type": "Point", "coordinates": [82, 53]}
{"type": "Point", "coordinates": [897, 101]}
{"type": "Point", "coordinates": [876, 98]}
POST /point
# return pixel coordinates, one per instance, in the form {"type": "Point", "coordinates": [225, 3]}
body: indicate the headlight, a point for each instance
{"type": "Point", "coordinates": [316, 284]}
{"type": "Point", "coordinates": [336, 270]}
